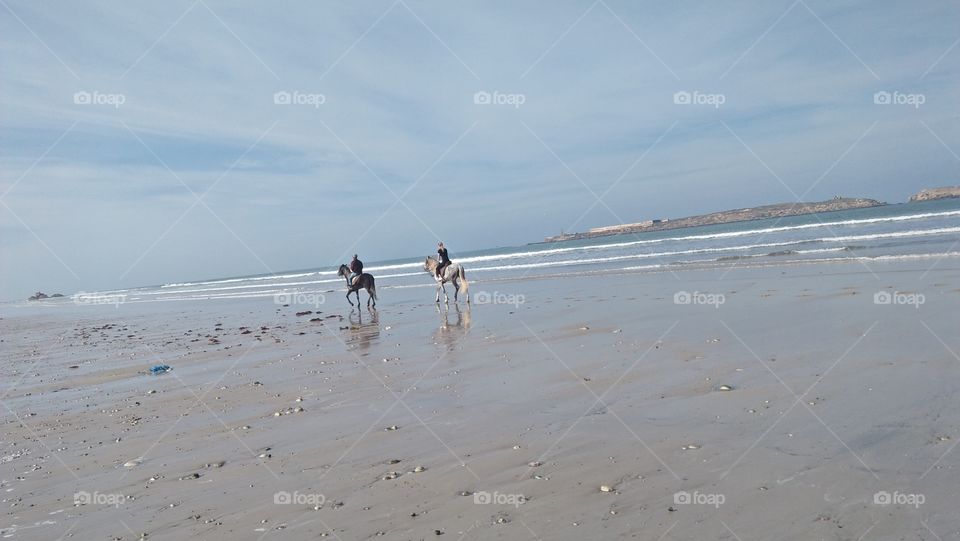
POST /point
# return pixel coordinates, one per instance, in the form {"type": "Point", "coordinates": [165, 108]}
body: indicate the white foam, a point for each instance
{"type": "Point", "coordinates": [553, 251]}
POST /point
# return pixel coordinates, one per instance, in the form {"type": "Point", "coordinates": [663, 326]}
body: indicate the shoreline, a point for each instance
{"type": "Point", "coordinates": [745, 263]}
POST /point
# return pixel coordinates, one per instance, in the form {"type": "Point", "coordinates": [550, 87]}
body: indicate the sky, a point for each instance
{"type": "Point", "coordinates": [148, 143]}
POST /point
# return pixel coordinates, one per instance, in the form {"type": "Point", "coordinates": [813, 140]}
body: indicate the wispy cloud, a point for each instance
{"type": "Point", "coordinates": [397, 82]}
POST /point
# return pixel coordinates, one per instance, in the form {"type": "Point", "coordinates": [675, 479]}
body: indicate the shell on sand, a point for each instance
{"type": "Point", "coordinates": [606, 488]}
{"type": "Point", "coordinates": [725, 387]}
{"type": "Point", "coordinates": [133, 463]}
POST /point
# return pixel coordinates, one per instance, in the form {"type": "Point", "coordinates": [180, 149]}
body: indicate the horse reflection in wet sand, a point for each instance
{"type": "Point", "coordinates": [450, 333]}
{"type": "Point", "coordinates": [363, 334]}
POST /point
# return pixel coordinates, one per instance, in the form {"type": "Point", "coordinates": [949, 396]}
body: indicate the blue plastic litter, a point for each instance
{"type": "Point", "coordinates": [160, 369]}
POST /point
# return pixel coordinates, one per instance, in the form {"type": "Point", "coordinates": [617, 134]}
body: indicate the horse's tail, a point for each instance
{"type": "Point", "coordinates": [462, 275]}
{"type": "Point", "coordinates": [373, 288]}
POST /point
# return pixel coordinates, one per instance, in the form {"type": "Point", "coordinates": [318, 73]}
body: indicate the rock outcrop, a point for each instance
{"type": "Point", "coordinates": [929, 194]}
{"type": "Point", "coordinates": [40, 295]}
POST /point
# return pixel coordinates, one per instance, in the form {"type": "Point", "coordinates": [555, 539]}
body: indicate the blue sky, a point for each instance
{"type": "Point", "coordinates": [199, 173]}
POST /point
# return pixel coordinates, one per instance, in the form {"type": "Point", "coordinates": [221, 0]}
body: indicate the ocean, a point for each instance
{"type": "Point", "coordinates": [923, 231]}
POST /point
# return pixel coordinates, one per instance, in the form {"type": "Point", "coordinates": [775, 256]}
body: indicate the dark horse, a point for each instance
{"type": "Point", "coordinates": [364, 282]}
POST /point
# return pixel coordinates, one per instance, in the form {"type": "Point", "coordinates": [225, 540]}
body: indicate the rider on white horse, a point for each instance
{"type": "Point", "coordinates": [444, 259]}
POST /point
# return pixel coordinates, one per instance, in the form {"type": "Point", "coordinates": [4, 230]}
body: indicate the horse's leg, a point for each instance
{"type": "Point", "coordinates": [438, 292]}
{"type": "Point", "coordinates": [348, 298]}
{"type": "Point", "coordinates": [446, 300]}
{"type": "Point", "coordinates": [456, 289]}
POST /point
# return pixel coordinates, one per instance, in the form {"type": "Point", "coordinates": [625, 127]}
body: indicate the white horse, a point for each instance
{"type": "Point", "coordinates": [451, 273]}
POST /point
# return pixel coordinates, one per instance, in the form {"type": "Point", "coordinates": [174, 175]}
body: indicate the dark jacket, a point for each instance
{"type": "Point", "coordinates": [444, 258]}
{"type": "Point", "coordinates": [356, 266]}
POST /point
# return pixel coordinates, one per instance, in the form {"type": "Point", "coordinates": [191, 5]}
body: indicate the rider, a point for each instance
{"type": "Point", "coordinates": [356, 269]}
{"type": "Point", "coordinates": [444, 259]}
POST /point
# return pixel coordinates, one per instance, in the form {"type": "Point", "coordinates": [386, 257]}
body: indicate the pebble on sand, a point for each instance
{"type": "Point", "coordinates": [606, 488]}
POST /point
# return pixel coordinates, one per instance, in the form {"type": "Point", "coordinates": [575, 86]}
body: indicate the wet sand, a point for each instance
{"type": "Point", "coordinates": [777, 403]}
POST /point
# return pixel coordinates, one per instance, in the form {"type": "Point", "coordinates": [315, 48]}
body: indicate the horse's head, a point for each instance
{"type": "Point", "coordinates": [429, 264]}
{"type": "Point", "coordinates": [343, 271]}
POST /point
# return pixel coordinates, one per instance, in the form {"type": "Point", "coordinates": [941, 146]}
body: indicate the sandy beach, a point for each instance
{"type": "Point", "coordinates": [799, 402]}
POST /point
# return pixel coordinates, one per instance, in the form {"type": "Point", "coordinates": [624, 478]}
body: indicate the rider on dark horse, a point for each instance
{"type": "Point", "coordinates": [356, 269]}
{"type": "Point", "coordinates": [444, 259]}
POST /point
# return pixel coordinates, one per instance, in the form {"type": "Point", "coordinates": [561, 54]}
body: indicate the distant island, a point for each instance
{"type": "Point", "coordinates": [780, 210]}
{"type": "Point", "coordinates": [930, 194]}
